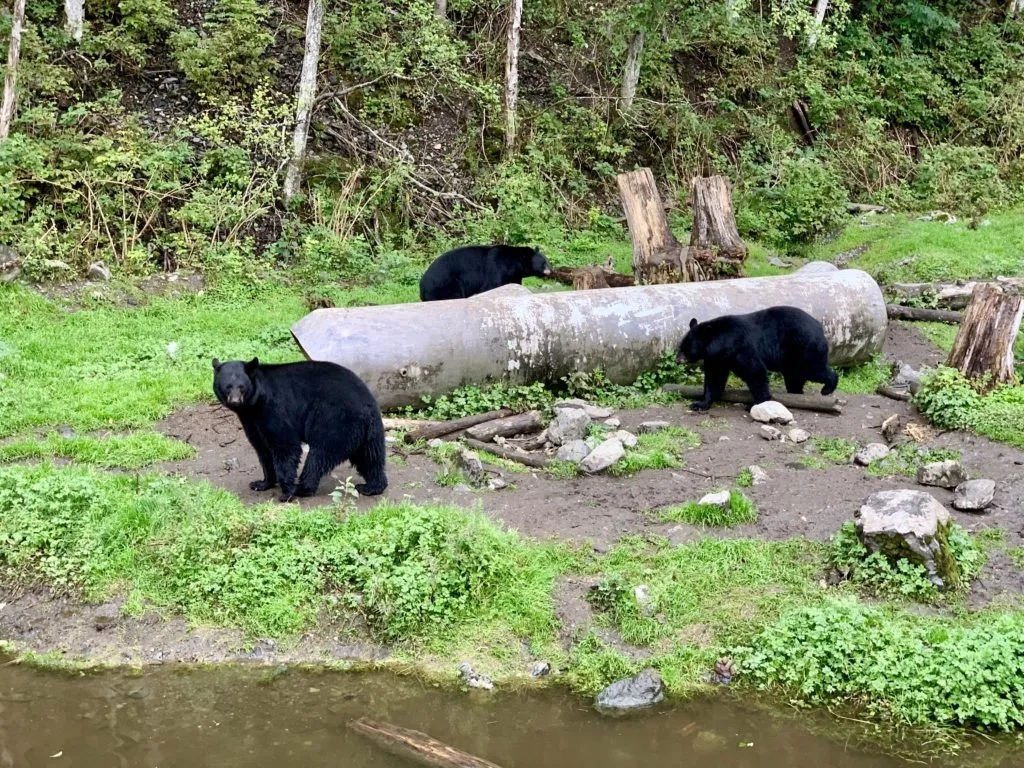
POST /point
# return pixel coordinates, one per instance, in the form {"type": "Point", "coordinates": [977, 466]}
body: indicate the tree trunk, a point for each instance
{"type": "Point", "coordinates": [714, 240]}
{"type": "Point", "coordinates": [587, 278]}
{"type": "Point", "coordinates": [658, 257]}
{"type": "Point", "coordinates": [1014, 8]}
{"type": "Point", "coordinates": [631, 72]}
{"type": "Point", "coordinates": [819, 18]}
{"type": "Point", "coordinates": [732, 13]}
{"type": "Point", "coordinates": [512, 75]}
{"type": "Point", "coordinates": [521, 424]}
{"type": "Point", "coordinates": [307, 95]}
{"type": "Point", "coordinates": [984, 343]}
{"type": "Point", "coordinates": [74, 18]}
{"type": "Point", "coordinates": [11, 74]}
{"type": "Point", "coordinates": [416, 746]}
{"type": "Point", "coordinates": [441, 8]}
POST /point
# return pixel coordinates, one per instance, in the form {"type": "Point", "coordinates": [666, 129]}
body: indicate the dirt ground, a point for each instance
{"type": "Point", "coordinates": [795, 501]}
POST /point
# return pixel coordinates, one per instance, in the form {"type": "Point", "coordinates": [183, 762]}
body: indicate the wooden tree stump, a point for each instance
{"type": "Point", "coordinates": [715, 242]}
{"type": "Point", "coordinates": [984, 343]}
{"type": "Point", "coordinates": [585, 278]}
{"type": "Point", "coordinates": [658, 257]}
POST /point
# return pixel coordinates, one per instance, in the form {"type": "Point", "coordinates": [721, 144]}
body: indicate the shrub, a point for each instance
{"type": "Point", "coordinates": [947, 398]}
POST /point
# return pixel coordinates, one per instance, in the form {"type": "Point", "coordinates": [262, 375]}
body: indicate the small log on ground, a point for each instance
{"type": "Point", "coordinates": [899, 312]}
{"type": "Point", "coordinates": [508, 453]}
{"type": "Point", "coordinates": [416, 746]}
{"type": "Point", "coordinates": [955, 295]}
{"type": "Point", "coordinates": [408, 424]}
{"type": "Point", "coordinates": [816, 403]}
{"type": "Point", "coordinates": [584, 278]}
{"type": "Point", "coordinates": [658, 258]}
{"type": "Point", "coordinates": [865, 208]}
{"type": "Point", "coordinates": [715, 243]}
{"type": "Point", "coordinates": [457, 425]}
{"type": "Point", "coordinates": [520, 424]}
{"type": "Point", "coordinates": [984, 343]}
{"type": "Point", "coordinates": [892, 393]}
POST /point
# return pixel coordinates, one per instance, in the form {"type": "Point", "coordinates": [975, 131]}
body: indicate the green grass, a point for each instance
{"type": "Point", "coordinates": [863, 379]}
{"type": "Point", "coordinates": [657, 450]}
{"type": "Point", "coordinates": [904, 250]}
{"type": "Point", "coordinates": [813, 462]}
{"type": "Point", "coordinates": [941, 335]}
{"type": "Point", "coordinates": [741, 511]}
{"type": "Point", "coordinates": [132, 451]}
{"type": "Point", "coordinates": [838, 450]}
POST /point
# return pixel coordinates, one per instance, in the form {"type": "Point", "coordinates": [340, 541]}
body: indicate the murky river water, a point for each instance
{"type": "Point", "coordinates": [240, 717]}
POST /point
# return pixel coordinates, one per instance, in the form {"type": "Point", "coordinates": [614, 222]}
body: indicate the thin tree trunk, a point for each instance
{"type": "Point", "coordinates": [819, 18]}
{"type": "Point", "coordinates": [307, 95]}
{"type": "Point", "coordinates": [657, 256]}
{"type": "Point", "coordinates": [631, 72]}
{"type": "Point", "coordinates": [441, 8]}
{"type": "Point", "coordinates": [732, 13]}
{"type": "Point", "coordinates": [11, 75]}
{"type": "Point", "coordinates": [74, 13]}
{"type": "Point", "coordinates": [984, 343]}
{"type": "Point", "coordinates": [1014, 8]}
{"type": "Point", "coordinates": [512, 75]}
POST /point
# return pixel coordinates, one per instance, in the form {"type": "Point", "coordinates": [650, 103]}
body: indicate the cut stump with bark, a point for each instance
{"type": "Point", "coordinates": [658, 258]}
{"type": "Point", "coordinates": [984, 343]}
{"type": "Point", "coordinates": [715, 243]}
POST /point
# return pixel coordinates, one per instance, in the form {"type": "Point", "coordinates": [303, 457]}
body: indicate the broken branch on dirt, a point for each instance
{"type": "Point", "coordinates": [801, 402]}
{"type": "Point", "coordinates": [520, 424]}
{"type": "Point", "coordinates": [899, 312]}
{"type": "Point", "coordinates": [456, 425]}
{"type": "Point", "coordinates": [507, 453]}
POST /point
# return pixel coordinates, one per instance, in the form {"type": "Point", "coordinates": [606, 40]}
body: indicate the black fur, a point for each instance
{"type": "Point", "coordinates": [785, 340]}
{"type": "Point", "coordinates": [323, 405]}
{"type": "Point", "coordinates": [472, 269]}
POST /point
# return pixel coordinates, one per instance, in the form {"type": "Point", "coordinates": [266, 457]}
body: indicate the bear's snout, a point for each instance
{"type": "Point", "coordinates": [235, 397]}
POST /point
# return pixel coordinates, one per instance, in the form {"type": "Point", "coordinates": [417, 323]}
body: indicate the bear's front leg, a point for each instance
{"type": "Point", "coordinates": [264, 455]}
{"type": "Point", "coordinates": [715, 376]}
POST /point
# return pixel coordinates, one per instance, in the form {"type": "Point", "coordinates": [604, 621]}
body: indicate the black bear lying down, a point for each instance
{"type": "Point", "coordinates": [323, 405]}
{"type": "Point", "coordinates": [785, 340]}
{"type": "Point", "coordinates": [472, 269]}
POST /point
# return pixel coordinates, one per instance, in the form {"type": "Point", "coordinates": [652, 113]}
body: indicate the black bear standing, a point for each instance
{"type": "Point", "coordinates": [472, 269]}
{"type": "Point", "coordinates": [323, 405]}
{"type": "Point", "coordinates": [786, 340]}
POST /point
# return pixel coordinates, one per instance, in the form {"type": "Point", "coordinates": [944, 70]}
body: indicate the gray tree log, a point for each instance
{"type": "Point", "coordinates": [512, 75]}
{"type": "Point", "coordinates": [307, 95]}
{"type": "Point", "coordinates": [11, 73]}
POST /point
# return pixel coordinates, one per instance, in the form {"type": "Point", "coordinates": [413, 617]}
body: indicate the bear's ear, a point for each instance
{"type": "Point", "coordinates": [216, 364]}
{"type": "Point", "coordinates": [693, 323]}
{"type": "Point", "coordinates": [251, 365]}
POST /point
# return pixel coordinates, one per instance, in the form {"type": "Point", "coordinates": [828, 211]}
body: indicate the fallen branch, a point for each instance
{"type": "Point", "coordinates": [865, 208]}
{"type": "Point", "coordinates": [949, 295]}
{"type": "Point", "coordinates": [507, 453]}
{"type": "Point", "coordinates": [893, 394]}
{"type": "Point", "coordinates": [416, 746]}
{"type": "Point", "coordinates": [409, 424]}
{"type": "Point", "coordinates": [457, 425]}
{"type": "Point", "coordinates": [571, 276]}
{"type": "Point", "coordinates": [899, 312]}
{"type": "Point", "coordinates": [520, 424]}
{"type": "Point", "coordinates": [800, 402]}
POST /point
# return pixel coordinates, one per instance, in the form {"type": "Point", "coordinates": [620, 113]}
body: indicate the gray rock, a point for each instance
{"type": "Point", "coordinates": [576, 451]}
{"type": "Point", "coordinates": [497, 483]}
{"type": "Point", "coordinates": [642, 690]}
{"type": "Point", "coordinates": [642, 595]}
{"type": "Point", "coordinates": [912, 525]}
{"type": "Point", "coordinates": [650, 427]}
{"type": "Point", "coordinates": [770, 433]}
{"type": "Point", "coordinates": [717, 499]}
{"type": "Point", "coordinates": [99, 271]}
{"type": "Point", "coordinates": [906, 378]}
{"type": "Point", "coordinates": [593, 411]}
{"type": "Point", "coordinates": [10, 264]}
{"type": "Point", "coordinates": [799, 435]}
{"type": "Point", "coordinates": [775, 261]}
{"type": "Point", "coordinates": [757, 475]}
{"type": "Point", "coordinates": [473, 468]}
{"type": "Point", "coordinates": [942, 474]}
{"type": "Point", "coordinates": [974, 495]}
{"type": "Point", "coordinates": [569, 424]}
{"type": "Point", "coordinates": [871, 453]}
{"type": "Point", "coordinates": [472, 679]}
{"type": "Point", "coordinates": [437, 442]}
{"type": "Point", "coordinates": [613, 422]}
{"type": "Point", "coordinates": [541, 669]}
{"type": "Point", "coordinates": [628, 439]}
{"type": "Point", "coordinates": [771, 412]}
{"type": "Point", "coordinates": [602, 457]}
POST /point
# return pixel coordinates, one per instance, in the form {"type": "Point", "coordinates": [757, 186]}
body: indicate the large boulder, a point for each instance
{"type": "Point", "coordinates": [642, 690]}
{"type": "Point", "coordinates": [910, 525]}
{"type": "Point", "coordinates": [974, 495]}
{"type": "Point", "coordinates": [770, 412]}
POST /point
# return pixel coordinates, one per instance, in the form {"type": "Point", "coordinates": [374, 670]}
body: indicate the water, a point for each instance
{"type": "Point", "coordinates": [228, 717]}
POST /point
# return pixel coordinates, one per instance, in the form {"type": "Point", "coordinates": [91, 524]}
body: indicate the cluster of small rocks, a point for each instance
{"type": "Point", "coordinates": [569, 434]}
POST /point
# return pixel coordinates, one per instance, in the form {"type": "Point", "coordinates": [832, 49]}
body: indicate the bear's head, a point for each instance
{"type": "Point", "coordinates": [539, 266]}
{"type": "Point", "coordinates": [232, 382]}
{"type": "Point", "coordinates": [691, 348]}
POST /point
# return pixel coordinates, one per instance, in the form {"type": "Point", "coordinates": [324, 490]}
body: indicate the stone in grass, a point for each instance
{"type": "Point", "coordinates": [974, 495]}
{"type": "Point", "coordinates": [628, 439]}
{"type": "Point", "coordinates": [757, 475]}
{"type": "Point", "coordinates": [770, 433]}
{"type": "Point", "coordinates": [602, 457]}
{"type": "Point", "coordinates": [911, 525]}
{"type": "Point", "coordinates": [473, 468]}
{"type": "Point", "coordinates": [569, 424]}
{"type": "Point", "coordinates": [650, 427]}
{"type": "Point", "coordinates": [771, 412]}
{"type": "Point", "coordinates": [871, 453]}
{"type": "Point", "coordinates": [719, 499]}
{"type": "Point", "coordinates": [642, 690]}
{"type": "Point", "coordinates": [472, 679]}
{"type": "Point", "coordinates": [942, 474]}
{"type": "Point", "coordinates": [575, 451]}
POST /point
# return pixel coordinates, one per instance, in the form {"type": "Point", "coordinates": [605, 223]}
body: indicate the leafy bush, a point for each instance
{"type": "Point", "coordinates": [964, 180]}
{"type": "Point", "coordinates": [947, 398]}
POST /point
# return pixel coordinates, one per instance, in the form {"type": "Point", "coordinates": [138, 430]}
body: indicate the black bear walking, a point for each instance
{"type": "Point", "coordinates": [785, 340]}
{"type": "Point", "coordinates": [323, 405]}
{"type": "Point", "coordinates": [472, 269]}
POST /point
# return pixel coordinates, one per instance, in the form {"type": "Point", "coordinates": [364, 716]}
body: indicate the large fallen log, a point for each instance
{"type": "Point", "coordinates": [898, 312]}
{"type": "Point", "coordinates": [416, 746]}
{"type": "Point", "coordinates": [948, 295]}
{"type": "Point", "coordinates": [983, 348]}
{"type": "Point", "coordinates": [508, 453]}
{"type": "Point", "coordinates": [520, 424]}
{"type": "Point", "coordinates": [407, 351]}
{"type": "Point", "coordinates": [456, 425]}
{"type": "Point", "coordinates": [816, 403]}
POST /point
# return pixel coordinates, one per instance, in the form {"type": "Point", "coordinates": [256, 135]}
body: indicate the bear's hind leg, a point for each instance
{"type": "Point", "coordinates": [369, 461]}
{"type": "Point", "coordinates": [319, 461]}
{"type": "Point", "coordinates": [794, 383]}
